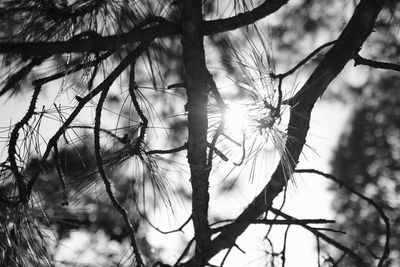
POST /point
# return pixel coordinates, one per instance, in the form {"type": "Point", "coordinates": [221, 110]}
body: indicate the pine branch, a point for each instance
{"type": "Point", "coordinates": [243, 19]}
{"type": "Point", "coordinates": [106, 181]}
{"type": "Point", "coordinates": [84, 100]}
{"type": "Point", "coordinates": [358, 29]}
{"type": "Point", "coordinates": [358, 60]}
{"type": "Point", "coordinates": [382, 214]}
{"type": "Point", "coordinates": [92, 43]}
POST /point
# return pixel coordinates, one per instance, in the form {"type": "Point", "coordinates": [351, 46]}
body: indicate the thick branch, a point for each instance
{"type": "Point", "coordinates": [197, 92]}
{"type": "Point", "coordinates": [90, 44]}
{"type": "Point", "coordinates": [242, 19]}
{"type": "Point", "coordinates": [358, 29]}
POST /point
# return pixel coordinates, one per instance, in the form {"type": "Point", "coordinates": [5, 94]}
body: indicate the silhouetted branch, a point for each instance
{"type": "Point", "coordinates": [103, 175]}
{"type": "Point", "coordinates": [303, 61]}
{"type": "Point", "coordinates": [385, 219]}
{"type": "Point", "coordinates": [357, 30]}
{"type": "Point", "coordinates": [84, 100]}
{"type": "Point", "coordinates": [167, 151]}
{"type": "Point", "coordinates": [143, 127]}
{"type": "Point", "coordinates": [242, 19]}
{"type": "Point", "coordinates": [358, 60]}
{"type": "Point", "coordinates": [91, 44]}
{"type": "Point", "coordinates": [20, 179]}
{"type": "Point", "coordinates": [75, 68]}
{"type": "Point", "coordinates": [324, 237]}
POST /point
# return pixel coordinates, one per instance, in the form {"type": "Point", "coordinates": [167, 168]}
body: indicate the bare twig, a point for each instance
{"type": "Point", "coordinates": [283, 252]}
{"type": "Point", "coordinates": [303, 61]}
{"type": "Point", "coordinates": [132, 88]}
{"type": "Point", "coordinates": [385, 219]}
{"type": "Point", "coordinates": [84, 100]}
{"type": "Point", "coordinates": [13, 143]}
{"type": "Point", "coordinates": [100, 165]}
{"type": "Point", "coordinates": [358, 60]}
{"type": "Point", "coordinates": [324, 237]}
{"type": "Point", "coordinates": [167, 151]}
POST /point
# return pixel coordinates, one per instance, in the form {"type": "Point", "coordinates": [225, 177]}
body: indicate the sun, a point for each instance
{"type": "Point", "coordinates": [236, 118]}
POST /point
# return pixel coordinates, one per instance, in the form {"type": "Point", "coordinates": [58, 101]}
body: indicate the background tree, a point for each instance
{"type": "Point", "coordinates": [160, 45]}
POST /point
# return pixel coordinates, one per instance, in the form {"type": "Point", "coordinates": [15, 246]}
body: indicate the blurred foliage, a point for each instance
{"type": "Point", "coordinates": [368, 159]}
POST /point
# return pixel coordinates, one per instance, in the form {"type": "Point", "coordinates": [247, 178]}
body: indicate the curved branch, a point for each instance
{"type": "Point", "coordinates": [106, 181]}
{"type": "Point", "coordinates": [84, 100]}
{"type": "Point", "coordinates": [242, 19]}
{"type": "Point", "coordinates": [358, 29]}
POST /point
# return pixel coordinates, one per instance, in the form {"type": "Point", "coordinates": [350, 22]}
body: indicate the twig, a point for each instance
{"type": "Point", "coordinates": [167, 151]}
{"type": "Point", "coordinates": [60, 176]}
{"type": "Point", "coordinates": [179, 229]}
{"type": "Point", "coordinates": [318, 252]}
{"type": "Point", "coordinates": [106, 181]}
{"type": "Point", "coordinates": [13, 142]}
{"type": "Point", "coordinates": [303, 61]}
{"type": "Point", "coordinates": [327, 239]}
{"type": "Point", "coordinates": [358, 60]}
{"type": "Point", "coordinates": [185, 251]}
{"type": "Point", "coordinates": [386, 250]}
{"type": "Point", "coordinates": [283, 252]}
{"type": "Point", "coordinates": [84, 100]}
{"type": "Point", "coordinates": [76, 68]}
{"type": "Point", "coordinates": [132, 88]}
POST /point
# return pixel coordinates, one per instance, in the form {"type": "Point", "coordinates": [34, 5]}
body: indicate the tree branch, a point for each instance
{"type": "Point", "coordinates": [83, 101]}
{"type": "Point", "coordinates": [358, 29]}
{"type": "Point", "coordinates": [358, 60]}
{"type": "Point", "coordinates": [242, 19]}
{"type": "Point", "coordinates": [385, 219]}
{"type": "Point", "coordinates": [326, 238]}
{"type": "Point", "coordinates": [197, 89]}
{"type": "Point", "coordinates": [106, 181]}
{"type": "Point", "coordinates": [92, 43]}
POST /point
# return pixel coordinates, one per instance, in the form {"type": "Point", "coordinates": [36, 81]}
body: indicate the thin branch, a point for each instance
{"type": "Point", "coordinates": [167, 151]}
{"type": "Point", "coordinates": [324, 237]}
{"type": "Point", "coordinates": [185, 251]}
{"type": "Point", "coordinates": [385, 219]}
{"type": "Point", "coordinates": [20, 75]}
{"type": "Point", "coordinates": [358, 60]}
{"type": "Point", "coordinates": [103, 175]}
{"type": "Point", "coordinates": [283, 252]}
{"type": "Point", "coordinates": [13, 143]}
{"type": "Point", "coordinates": [242, 19]}
{"type": "Point", "coordinates": [143, 127]}
{"type": "Point", "coordinates": [60, 176]}
{"type": "Point", "coordinates": [76, 68]}
{"type": "Point", "coordinates": [179, 229]}
{"type": "Point", "coordinates": [276, 222]}
{"type": "Point", "coordinates": [303, 61]}
{"type": "Point", "coordinates": [84, 100]}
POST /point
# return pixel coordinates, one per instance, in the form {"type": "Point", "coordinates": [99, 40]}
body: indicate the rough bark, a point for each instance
{"type": "Point", "coordinates": [197, 93]}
